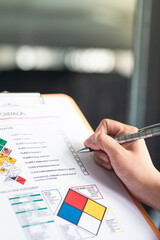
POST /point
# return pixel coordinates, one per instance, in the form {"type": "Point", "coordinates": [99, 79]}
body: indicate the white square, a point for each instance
{"type": "Point", "coordinates": [89, 223]}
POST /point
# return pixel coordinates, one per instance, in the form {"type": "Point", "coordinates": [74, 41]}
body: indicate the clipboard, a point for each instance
{"type": "Point", "coordinates": [137, 203]}
{"type": "Point", "coordinates": [43, 190]}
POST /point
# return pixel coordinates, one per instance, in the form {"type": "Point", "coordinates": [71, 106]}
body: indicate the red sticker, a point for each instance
{"type": "Point", "coordinates": [21, 180]}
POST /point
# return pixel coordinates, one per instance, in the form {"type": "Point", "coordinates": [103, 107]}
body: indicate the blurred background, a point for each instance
{"type": "Point", "coordinates": [104, 54]}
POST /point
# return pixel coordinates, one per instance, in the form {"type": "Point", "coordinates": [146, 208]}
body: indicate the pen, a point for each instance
{"type": "Point", "coordinates": [146, 132]}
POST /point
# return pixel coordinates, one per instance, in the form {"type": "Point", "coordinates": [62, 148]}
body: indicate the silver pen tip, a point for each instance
{"type": "Point", "coordinates": [84, 150]}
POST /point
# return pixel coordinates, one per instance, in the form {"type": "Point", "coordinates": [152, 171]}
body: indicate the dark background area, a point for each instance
{"type": "Point", "coordinates": [98, 95]}
{"type": "Point", "coordinates": [153, 83]}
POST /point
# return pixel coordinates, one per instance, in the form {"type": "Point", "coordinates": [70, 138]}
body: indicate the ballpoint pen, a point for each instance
{"type": "Point", "coordinates": [146, 132]}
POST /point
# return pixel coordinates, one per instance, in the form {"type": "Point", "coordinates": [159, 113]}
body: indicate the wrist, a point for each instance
{"type": "Point", "coordinates": [152, 190]}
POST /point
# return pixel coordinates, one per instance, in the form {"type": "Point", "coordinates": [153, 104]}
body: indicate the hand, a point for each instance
{"type": "Point", "coordinates": [131, 161]}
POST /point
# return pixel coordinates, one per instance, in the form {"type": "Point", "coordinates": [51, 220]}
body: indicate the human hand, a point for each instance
{"type": "Point", "coordinates": [131, 161]}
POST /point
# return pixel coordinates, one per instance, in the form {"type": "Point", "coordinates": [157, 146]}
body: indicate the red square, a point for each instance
{"type": "Point", "coordinates": [21, 180]}
{"type": "Point", "coordinates": [75, 199]}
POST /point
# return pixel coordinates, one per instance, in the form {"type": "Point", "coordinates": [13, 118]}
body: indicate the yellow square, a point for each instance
{"type": "Point", "coordinates": [3, 170]}
{"type": "Point", "coordinates": [3, 156]}
{"type": "Point", "coordinates": [11, 160]}
{"type": "Point", "coordinates": [1, 162]}
{"type": "Point", "coordinates": [94, 209]}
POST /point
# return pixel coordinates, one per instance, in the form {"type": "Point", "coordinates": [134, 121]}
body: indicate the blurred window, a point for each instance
{"type": "Point", "coordinates": [84, 36]}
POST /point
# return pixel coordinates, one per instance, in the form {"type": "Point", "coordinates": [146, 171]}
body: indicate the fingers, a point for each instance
{"type": "Point", "coordinates": [109, 127]}
{"type": "Point", "coordinates": [91, 142]}
{"type": "Point", "coordinates": [111, 154]}
{"type": "Point", "coordinates": [102, 159]}
{"type": "Point", "coordinates": [113, 149]}
{"type": "Point", "coordinates": [114, 128]}
{"type": "Point", "coordinates": [105, 143]}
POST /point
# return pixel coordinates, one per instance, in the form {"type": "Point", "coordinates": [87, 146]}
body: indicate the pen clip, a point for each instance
{"type": "Point", "coordinates": [149, 127]}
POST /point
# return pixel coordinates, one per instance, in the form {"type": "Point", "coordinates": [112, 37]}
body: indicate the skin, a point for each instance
{"type": "Point", "coordinates": [131, 161]}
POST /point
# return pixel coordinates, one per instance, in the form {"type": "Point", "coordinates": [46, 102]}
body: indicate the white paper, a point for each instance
{"type": "Point", "coordinates": [48, 190]}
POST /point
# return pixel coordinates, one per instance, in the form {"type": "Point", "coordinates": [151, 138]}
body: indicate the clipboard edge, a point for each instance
{"type": "Point", "coordinates": [136, 202]}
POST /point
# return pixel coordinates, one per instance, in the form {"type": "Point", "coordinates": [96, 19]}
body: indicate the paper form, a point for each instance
{"type": "Point", "coordinates": [48, 190]}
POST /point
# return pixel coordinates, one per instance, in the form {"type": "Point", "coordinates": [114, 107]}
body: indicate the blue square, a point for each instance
{"type": "Point", "coordinates": [69, 213]}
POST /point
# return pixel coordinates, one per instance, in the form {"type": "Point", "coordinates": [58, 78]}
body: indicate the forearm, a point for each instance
{"type": "Point", "coordinates": [151, 194]}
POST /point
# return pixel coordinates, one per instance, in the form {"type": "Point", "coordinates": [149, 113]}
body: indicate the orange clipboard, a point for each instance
{"type": "Point", "coordinates": [137, 203]}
